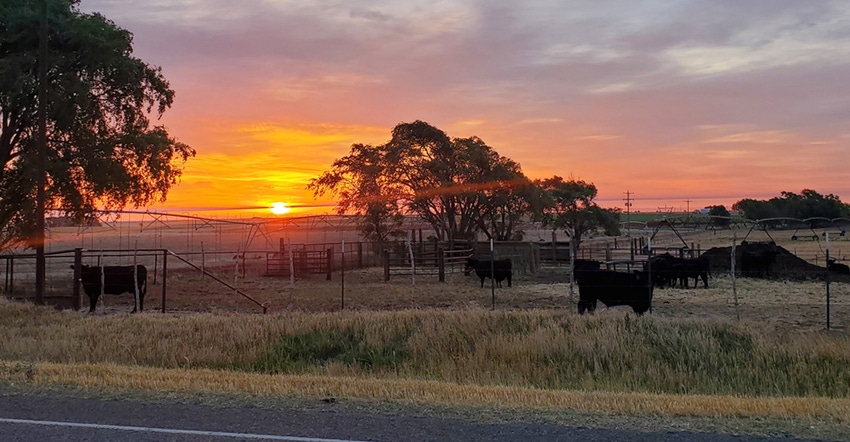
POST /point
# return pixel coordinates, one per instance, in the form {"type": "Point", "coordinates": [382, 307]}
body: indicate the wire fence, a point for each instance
{"type": "Point", "coordinates": [218, 261]}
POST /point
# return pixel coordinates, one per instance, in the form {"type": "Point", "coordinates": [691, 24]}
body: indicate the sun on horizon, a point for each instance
{"type": "Point", "coordinates": [280, 208]}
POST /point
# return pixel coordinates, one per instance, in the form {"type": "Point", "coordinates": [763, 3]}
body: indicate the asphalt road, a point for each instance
{"type": "Point", "coordinates": [76, 417]}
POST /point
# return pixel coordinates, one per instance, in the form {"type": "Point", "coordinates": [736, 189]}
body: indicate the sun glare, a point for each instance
{"type": "Point", "coordinates": [279, 208]}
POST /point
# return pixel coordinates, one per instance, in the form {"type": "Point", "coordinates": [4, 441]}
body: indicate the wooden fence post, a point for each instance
{"type": "Point", "coordinates": [386, 256]}
{"type": "Point", "coordinates": [441, 265]}
{"type": "Point", "coordinates": [554, 248]}
{"type": "Point", "coordinates": [535, 257]}
{"type": "Point", "coordinates": [11, 274]}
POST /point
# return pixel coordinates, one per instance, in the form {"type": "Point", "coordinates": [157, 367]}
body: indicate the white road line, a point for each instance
{"type": "Point", "coordinates": [173, 431]}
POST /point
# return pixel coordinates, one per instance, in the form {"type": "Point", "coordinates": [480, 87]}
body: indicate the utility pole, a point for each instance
{"type": "Point", "coordinates": [41, 160]}
{"type": "Point", "coordinates": [628, 200]}
{"type": "Point", "coordinates": [689, 205]}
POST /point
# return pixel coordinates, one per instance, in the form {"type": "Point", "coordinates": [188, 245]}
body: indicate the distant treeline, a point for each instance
{"type": "Point", "coordinates": [807, 204]}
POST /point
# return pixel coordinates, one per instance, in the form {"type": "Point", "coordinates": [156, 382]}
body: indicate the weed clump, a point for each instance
{"type": "Point", "coordinates": [303, 352]}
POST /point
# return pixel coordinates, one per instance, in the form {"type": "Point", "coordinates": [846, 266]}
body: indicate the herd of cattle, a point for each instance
{"type": "Point", "coordinates": [610, 287]}
{"type": "Point", "coordinates": [634, 289]}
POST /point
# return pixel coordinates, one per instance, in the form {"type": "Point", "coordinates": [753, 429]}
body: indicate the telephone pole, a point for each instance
{"type": "Point", "coordinates": [688, 202]}
{"type": "Point", "coordinates": [628, 200]}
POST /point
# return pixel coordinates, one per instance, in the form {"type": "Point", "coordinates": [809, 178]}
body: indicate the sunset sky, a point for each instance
{"type": "Point", "coordinates": [703, 100]}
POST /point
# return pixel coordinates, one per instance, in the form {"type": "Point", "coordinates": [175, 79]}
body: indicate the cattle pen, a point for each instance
{"type": "Point", "coordinates": [60, 263]}
{"type": "Point", "coordinates": [309, 265]}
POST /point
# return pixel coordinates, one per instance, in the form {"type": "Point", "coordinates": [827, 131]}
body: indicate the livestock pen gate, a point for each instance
{"type": "Point", "coordinates": [424, 258]}
{"type": "Point", "coordinates": [433, 257]}
{"type": "Point", "coordinates": [299, 260]}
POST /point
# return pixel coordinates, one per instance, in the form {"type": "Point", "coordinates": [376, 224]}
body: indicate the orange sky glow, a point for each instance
{"type": "Point", "coordinates": [746, 102]}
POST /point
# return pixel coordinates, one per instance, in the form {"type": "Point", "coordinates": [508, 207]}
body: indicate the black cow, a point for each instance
{"type": "Point", "coordinates": [667, 270]}
{"type": "Point", "coordinates": [697, 268]}
{"type": "Point", "coordinates": [485, 268]}
{"type": "Point", "coordinates": [837, 267]}
{"type": "Point", "coordinates": [614, 288]}
{"type": "Point", "coordinates": [661, 267]}
{"type": "Point", "coordinates": [116, 280]}
{"type": "Point", "coordinates": [587, 264]}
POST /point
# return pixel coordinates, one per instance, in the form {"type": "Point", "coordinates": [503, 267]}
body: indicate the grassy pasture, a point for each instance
{"type": "Point", "coordinates": [551, 349]}
{"type": "Point", "coordinates": [545, 360]}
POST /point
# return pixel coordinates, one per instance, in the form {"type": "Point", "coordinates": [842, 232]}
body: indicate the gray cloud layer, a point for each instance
{"type": "Point", "coordinates": [653, 74]}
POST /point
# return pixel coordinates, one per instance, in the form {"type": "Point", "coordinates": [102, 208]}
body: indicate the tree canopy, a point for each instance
{"type": "Point", "coordinates": [359, 180]}
{"type": "Point", "coordinates": [806, 204]}
{"type": "Point", "coordinates": [570, 205]}
{"type": "Point", "coordinates": [103, 153]}
{"type": "Point", "coordinates": [457, 185]}
{"type": "Point", "coordinates": [720, 217]}
{"type": "Point", "coordinates": [461, 186]}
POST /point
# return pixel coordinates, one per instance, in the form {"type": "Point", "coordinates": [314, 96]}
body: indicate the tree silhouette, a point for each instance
{"type": "Point", "coordinates": [570, 205]}
{"type": "Point", "coordinates": [719, 216]}
{"type": "Point", "coordinates": [452, 183]}
{"type": "Point", "coordinates": [807, 204]}
{"type": "Point", "coordinates": [458, 186]}
{"type": "Point", "coordinates": [360, 182]}
{"type": "Point", "coordinates": [102, 151]}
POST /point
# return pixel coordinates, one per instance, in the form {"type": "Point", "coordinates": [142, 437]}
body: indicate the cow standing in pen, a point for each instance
{"type": "Point", "coordinates": [668, 270]}
{"type": "Point", "coordinates": [614, 288]}
{"type": "Point", "coordinates": [499, 270]}
{"type": "Point", "coordinates": [116, 280]}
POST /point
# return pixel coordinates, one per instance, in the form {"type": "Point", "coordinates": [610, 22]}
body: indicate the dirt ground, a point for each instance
{"type": "Point", "coordinates": [799, 305]}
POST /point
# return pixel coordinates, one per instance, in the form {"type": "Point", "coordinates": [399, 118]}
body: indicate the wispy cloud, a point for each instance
{"type": "Point", "coordinates": [761, 137]}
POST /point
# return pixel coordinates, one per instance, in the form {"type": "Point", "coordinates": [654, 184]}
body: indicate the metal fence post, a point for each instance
{"type": "Point", "coordinates": [330, 254]}
{"type": "Point", "coordinates": [164, 276]}
{"type": "Point", "coordinates": [76, 300]}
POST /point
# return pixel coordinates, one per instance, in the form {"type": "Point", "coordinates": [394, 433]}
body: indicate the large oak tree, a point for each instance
{"type": "Point", "coordinates": [457, 185]}
{"type": "Point", "coordinates": [103, 152]}
{"type": "Point", "coordinates": [452, 183]}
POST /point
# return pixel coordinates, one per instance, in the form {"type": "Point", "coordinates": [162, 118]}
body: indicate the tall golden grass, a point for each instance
{"type": "Point", "coordinates": [121, 377]}
{"type": "Point", "coordinates": [550, 350]}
